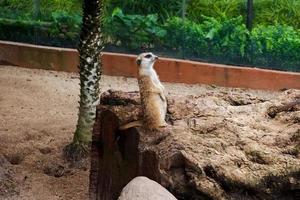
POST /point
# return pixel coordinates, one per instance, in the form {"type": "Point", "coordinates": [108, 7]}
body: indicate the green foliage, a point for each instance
{"type": "Point", "coordinates": [66, 21]}
{"type": "Point", "coordinates": [276, 46]}
{"type": "Point", "coordinates": [213, 31]}
{"type": "Point", "coordinates": [68, 6]}
{"type": "Point", "coordinates": [224, 40]}
{"type": "Point", "coordinates": [17, 4]}
{"type": "Point", "coordinates": [284, 12]}
{"type": "Point", "coordinates": [13, 9]}
{"type": "Point", "coordinates": [227, 38]}
{"type": "Point", "coordinates": [133, 31]}
{"type": "Point", "coordinates": [164, 9]}
{"type": "Point", "coordinates": [228, 41]}
{"type": "Point", "coordinates": [218, 9]}
{"type": "Point", "coordinates": [24, 9]}
{"type": "Point", "coordinates": [55, 22]}
{"type": "Point", "coordinates": [267, 12]}
{"type": "Point", "coordinates": [21, 27]}
{"type": "Point", "coordinates": [185, 34]}
{"type": "Point", "coordinates": [47, 33]}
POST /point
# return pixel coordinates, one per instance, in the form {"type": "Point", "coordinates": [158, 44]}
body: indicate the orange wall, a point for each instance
{"type": "Point", "coordinates": [169, 70]}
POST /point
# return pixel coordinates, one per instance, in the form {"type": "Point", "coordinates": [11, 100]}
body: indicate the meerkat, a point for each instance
{"type": "Point", "coordinates": [152, 93]}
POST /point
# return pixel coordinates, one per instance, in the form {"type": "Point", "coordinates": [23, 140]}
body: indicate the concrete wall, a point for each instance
{"type": "Point", "coordinates": [169, 70]}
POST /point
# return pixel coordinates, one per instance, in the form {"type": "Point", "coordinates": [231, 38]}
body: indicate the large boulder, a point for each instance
{"type": "Point", "coordinates": [235, 144]}
{"type": "Point", "coordinates": [142, 188]}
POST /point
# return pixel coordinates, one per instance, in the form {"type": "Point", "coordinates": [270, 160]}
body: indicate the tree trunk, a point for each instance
{"type": "Point", "coordinates": [249, 14]}
{"type": "Point", "coordinates": [216, 147]}
{"type": "Point", "coordinates": [90, 46]}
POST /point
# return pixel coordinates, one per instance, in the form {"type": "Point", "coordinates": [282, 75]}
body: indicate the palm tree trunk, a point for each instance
{"type": "Point", "coordinates": [90, 46]}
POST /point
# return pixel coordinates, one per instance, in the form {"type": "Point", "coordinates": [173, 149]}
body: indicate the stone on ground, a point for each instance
{"type": "Point", "coordinates": [142, 188]}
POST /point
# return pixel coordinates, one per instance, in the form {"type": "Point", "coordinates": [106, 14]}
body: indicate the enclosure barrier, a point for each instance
{"type": "Point", "coordinates": [169, 70]}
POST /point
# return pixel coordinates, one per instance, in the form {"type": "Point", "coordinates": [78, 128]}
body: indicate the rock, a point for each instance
{"type": "Point", "coordinates": [213, 148]}
{"type": "Point", "coordinates": [142, 188]}
{"type": "Point", "coordinates": [56, 170]}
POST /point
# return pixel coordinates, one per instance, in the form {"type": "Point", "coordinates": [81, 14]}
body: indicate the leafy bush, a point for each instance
{"type": "Point", "coordinates": [45, 33]}
{"type": "Point", "coordinates": [164, 9]}
{"type": "Point", "coordinates": [223, 40]}
{"type": "Point", "coordinates": [283, 12]}
{"type": "Point", "coordinates": [66, 22]}
{"type": "Point", "coordinates": [185, 35]}
{"type": "Point", "coordinates": [267, 12]}
{"type": "Point", "coordinates": [47, 22]}
{"type": "Point", "coordinates": [276, 46]}
{"type": "Point", "coordinates": [133, 31]}
{"type": "Point", "coordinates": [228, 41]}
{"type": "Point", "coordinates": [17, 4]}
{"type": "Point", "coordinates": [24, 9]}
{"type": "Point", "coordinates": [221, 37]}
{"type": "Point", "coordinates": [15, 9]}
{"type": "Point", "coordinates": [68, 6]}
{"type": "Point", "coordinates": [218, 9]}
{"type": "Point", "coordinates": [227, 38]}
{"type": "Point", "coordinates": [19, 28]}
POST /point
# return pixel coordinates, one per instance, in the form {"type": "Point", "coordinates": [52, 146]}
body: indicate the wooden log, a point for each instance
{"type": "Point", "coordinates": [274, 110]}
{"type": "Point", "coordinates": [210, 150]}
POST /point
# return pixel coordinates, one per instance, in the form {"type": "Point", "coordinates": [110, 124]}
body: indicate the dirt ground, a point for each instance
{"type": "Point", "coordinates": [38, 112]}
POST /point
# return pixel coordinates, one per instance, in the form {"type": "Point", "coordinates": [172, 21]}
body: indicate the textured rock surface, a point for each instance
{"type": "Point", "coordinates": [217, 145]}
{"type": "Point", "coordinates": [142, 188]}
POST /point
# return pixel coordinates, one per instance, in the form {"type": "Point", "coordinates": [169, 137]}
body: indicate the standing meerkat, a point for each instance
{"type": "Point", "coordinates": [152, 92]}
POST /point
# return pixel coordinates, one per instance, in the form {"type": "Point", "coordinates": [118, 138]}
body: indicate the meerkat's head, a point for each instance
{"type": "Point", "coordinates": [146, 60]}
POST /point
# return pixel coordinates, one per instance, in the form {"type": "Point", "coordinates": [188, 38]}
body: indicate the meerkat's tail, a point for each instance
{"type": "Point", "coordinates": [131, 124]}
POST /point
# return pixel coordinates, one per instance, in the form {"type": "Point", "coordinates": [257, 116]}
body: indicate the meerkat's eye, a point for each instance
{"type": "Point", "coordinates": [148, 56]}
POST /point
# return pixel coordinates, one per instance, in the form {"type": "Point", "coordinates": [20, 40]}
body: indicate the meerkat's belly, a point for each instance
{"type": "Point", "coordinates": [155, 111]}
{"type": "Point", "coordinates": [154, 107]}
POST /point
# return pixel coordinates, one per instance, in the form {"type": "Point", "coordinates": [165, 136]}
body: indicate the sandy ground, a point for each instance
{"type": "Point", "coordinates": [38, 112]}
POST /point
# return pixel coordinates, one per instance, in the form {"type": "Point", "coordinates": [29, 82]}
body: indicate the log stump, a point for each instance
{"type": "Point", "coordinates": [219, 146]}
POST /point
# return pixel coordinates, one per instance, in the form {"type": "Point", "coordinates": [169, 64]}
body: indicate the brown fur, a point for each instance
{"type": "Point", "coordinates": [153, 103]}
{"type": "Point", "coordinates": [153, 99]}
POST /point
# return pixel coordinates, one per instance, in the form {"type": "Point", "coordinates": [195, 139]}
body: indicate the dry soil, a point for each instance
{"type": "Point", "coordinates": [38, 112]}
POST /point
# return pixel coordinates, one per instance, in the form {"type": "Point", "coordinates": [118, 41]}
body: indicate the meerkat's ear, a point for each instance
{"type": "Point", "coordinates": [138, 61]}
